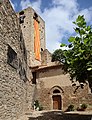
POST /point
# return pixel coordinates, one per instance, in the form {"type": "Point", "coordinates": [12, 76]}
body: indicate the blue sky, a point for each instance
{"type": "Point", "coordinates": [58, 16]}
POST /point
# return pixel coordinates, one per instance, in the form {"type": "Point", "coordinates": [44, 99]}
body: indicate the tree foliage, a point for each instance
{"type": "Point", "coordinates": [58, 55]}
{"type": "Point", "coordinates": [78, 57]}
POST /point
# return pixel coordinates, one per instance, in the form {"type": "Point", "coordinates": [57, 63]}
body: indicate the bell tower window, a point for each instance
{"type": "Point", "coordinates": [21, 17]}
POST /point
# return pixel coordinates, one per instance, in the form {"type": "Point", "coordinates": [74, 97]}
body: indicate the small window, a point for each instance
{"type": "Point", "coordinates": [36, 17]}
{"type": "Point", "coordinates": [21, 17]}
{"type": "Point", "coordinates": [21, 13]}
{"type": "Point", "coordinates": [41, 49]}
{"type": "Point", "coordinates": [56, 91]}
{"type": "Point", "coordinates": [34, 78]}
{"type": "Point", "coordinates": [12, 57]}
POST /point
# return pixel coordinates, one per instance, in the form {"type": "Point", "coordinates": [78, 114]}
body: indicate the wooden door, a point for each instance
{"type": "Point", "coordinates": [57, 102]}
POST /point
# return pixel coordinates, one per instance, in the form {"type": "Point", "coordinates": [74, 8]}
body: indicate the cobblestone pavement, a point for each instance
{"type": "Point", "coordinates": [56, 115]}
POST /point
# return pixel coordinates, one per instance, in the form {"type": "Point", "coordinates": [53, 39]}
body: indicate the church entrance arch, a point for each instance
{"type": "Point", "coordinates": [56, 98]}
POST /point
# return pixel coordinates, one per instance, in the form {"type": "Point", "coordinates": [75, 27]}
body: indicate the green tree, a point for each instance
{"type": "Point", "coordinates": [58, 55]}
{"type": "Point", "coordinates": [78, 57]}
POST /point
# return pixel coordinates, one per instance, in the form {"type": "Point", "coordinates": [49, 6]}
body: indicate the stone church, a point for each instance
{"type": "Point", "coordinates": [26, 71]}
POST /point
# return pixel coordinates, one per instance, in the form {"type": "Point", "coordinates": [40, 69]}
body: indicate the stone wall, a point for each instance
{"type": "Point", "coordinates": [28, 33]}
{"type": "Point", "coordinates": [51, 78]}
{"type": "Point", "coordinates": [15, 89]}
{"type": "Point", "coordinates": [46, 57]}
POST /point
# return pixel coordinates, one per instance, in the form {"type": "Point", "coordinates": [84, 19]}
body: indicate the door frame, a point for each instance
{"type": "Point", "coordinates": [59, 100]}
{"type": "Point", "coordinates": [54, 94]}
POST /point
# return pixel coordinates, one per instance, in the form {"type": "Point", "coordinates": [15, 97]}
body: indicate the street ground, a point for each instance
{"type": "Point", "coordinates": [57, 115]}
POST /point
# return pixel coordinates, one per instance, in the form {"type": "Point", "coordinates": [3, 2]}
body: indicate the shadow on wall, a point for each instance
{"type": "Point", "coordinates": [59, 115]}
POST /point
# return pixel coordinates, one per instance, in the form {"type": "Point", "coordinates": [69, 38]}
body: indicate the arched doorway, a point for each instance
{"type": "Point", "coordinates": [56, 98]}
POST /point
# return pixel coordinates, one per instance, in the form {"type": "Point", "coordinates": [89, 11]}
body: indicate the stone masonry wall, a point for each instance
{"type": "Point", "coordinates": [46, 57]}
{"type": "Point", "coordinates": [51, 77]}
{"type": "Point", "coordinates": [15, 94]}
{"type": "Point", "coordinates": [28, 33]}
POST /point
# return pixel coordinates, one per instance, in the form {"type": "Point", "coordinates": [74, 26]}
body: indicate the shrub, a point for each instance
{"type": "Point", "coordinates": [40, 108]}
{"type": "Point", "coordinates": [37, 105]}
{"type": "Point", "coordinates": [83, 106]}
{"type": "Point", "coordinates": [78, 109]}
{"type": "Point", "coordinates": [70, 108]}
